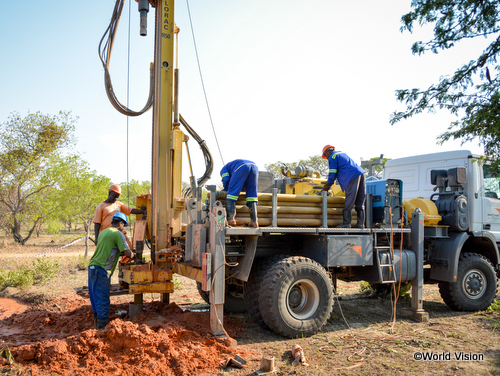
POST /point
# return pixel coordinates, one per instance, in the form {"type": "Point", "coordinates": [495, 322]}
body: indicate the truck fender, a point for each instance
{"type": "Point", "coordinates": [445, 256]}
{"type": "Point", "coordinates": [492, 253]}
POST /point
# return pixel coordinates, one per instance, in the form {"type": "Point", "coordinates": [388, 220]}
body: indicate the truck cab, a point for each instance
{"type": "Point", "coordinates": [481, 189]}
{"type": "Point", "coordinates": [465, 188]}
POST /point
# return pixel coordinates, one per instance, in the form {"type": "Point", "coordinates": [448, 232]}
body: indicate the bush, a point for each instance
{"type": "Point", "coordinates": [82, 262]}
{"type": "Point", "coordinates": [42, 270]}
{"type": "Point", "coordinates": [23, 278]}
{"type": "Point", "coordinates": [494, 307]}
{"type": "Point", "coordinates": [385, 290]}
{"type": "Point", "coordinates": [54, 227]}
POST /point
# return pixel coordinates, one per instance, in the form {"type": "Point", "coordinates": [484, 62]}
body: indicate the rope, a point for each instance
{"type": "Point", "coordinates": [202, 83]}
{"type": "Point", "coordinates": [45, 253]}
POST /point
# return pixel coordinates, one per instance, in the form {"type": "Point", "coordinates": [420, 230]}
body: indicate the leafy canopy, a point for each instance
{"type": "Point", "coordinates": [31, 166]}
{"type": "Point", "coordinates": [472, 92]}
{"type": "Point", "coordinates": [315, 162]}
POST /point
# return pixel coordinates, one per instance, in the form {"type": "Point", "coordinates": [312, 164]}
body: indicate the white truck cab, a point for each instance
{"type": "Point", "coordinates": [482, 186]}
{"type": "Point", "coordinates": [466, 191]}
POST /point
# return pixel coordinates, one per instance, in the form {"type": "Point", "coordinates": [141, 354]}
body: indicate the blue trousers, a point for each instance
{"type": "Point", "coordinates": [245, 176]}
{"type": "Point", "coordinates": [99, 289]}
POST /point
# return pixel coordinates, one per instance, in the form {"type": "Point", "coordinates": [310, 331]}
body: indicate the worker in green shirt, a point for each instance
{"type": "Point", "coordinates": [110, 246]}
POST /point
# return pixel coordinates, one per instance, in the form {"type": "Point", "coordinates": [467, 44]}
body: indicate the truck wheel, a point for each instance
{"type": "Point", "coordinates": [296, 296]}
{"type": "Point", "coordinates": [253, 286]}
{"type": "Point", "coordinates": [476, 285]}
{"type": "Point", "coordinates": [205, 295]}
{"type": "Point", "coordinates": [233, 302]}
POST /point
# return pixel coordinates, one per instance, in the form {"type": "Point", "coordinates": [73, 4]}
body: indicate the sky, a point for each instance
{"type": "Point", "coordinates": [282, 79]}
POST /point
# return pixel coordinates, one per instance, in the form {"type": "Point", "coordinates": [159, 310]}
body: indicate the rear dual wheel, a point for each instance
{"type": "Point", "coordinates": [233, 298]}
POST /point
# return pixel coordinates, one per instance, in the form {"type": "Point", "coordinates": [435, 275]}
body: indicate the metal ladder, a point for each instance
{"type": "Point", "coordinates": [385, 249]}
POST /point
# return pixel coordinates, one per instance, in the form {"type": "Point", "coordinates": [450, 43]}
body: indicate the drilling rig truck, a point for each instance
{"type": "Point", "coordinates": [284, 273]}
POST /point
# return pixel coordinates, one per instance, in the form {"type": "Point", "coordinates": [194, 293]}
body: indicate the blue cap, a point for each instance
{"type": "Point", "coordinates": [120, 217]}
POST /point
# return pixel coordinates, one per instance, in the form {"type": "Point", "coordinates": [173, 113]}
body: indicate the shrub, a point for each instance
{"type": "Point", "coordinates": [42, 270]}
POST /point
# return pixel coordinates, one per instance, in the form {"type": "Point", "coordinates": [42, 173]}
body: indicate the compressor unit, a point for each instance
{"type": "Point", "coordinates": [387, 203]}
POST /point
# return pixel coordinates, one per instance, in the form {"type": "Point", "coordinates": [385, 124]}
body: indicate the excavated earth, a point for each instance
{"type": "Point", "coordinates": [163, 340]}
{"type": "Point", "coordinates": [48, 330]}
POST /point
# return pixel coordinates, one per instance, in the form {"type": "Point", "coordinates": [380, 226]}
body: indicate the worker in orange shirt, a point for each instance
{"type": "Point", "coordinates": [108, 208]}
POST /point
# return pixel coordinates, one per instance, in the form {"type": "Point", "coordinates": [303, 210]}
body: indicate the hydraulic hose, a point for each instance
{"type": "Point", "coordinates": [209, 163]}
{"type": "Point", "coordinates": [105, 48]}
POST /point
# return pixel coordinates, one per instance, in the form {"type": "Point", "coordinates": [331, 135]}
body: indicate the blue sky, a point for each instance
{"type": "Point", "coordinates": [283, 78]}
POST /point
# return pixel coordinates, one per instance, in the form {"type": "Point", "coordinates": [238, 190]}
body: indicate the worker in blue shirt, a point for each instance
{"type": "Point", "coordinates": [237, 175]}
{"type": "Point", "coordinates": [352, 180]}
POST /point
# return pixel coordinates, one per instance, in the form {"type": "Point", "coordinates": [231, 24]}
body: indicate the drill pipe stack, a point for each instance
{"type": "Point", "coordinates": [292, 210]}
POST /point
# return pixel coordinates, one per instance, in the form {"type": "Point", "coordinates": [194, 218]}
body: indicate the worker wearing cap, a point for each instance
{"type": "Point", "coordinates": [352, 180]}
{"type": "Point", "coordinates": [108, 208]}
{"type": "Point", "coordinates": [111, 245]}
{"type": "Point", "coordinates": [237, 175]}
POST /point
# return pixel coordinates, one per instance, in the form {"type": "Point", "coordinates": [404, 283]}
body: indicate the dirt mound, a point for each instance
{"type": "Point", "coordinates": [162, 340]}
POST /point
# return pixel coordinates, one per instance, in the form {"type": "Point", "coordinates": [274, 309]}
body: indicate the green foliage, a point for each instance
{"type": "Point", "coordinates": [41, 270]}
{"type": "Point", "coordinates": [377, 169]}
{"type": "Point", "coordinates": [315, 162]}
{"type": "Point", "coordinates": [31, 167]}
{"type": "Point", "coordinates": [494, 307]}
{"type": "Point", "coordinates": [23, 278]}
{"type": "Point", "coordinates": [53, 227]}
{"type": "Point", "coordinates": [5, 353]}
{"type": "Point", "coordinates": [44, 269]}
{"type": "Point", "coordinates": [385, 290]}
{"type": "Point", "coordinates": [133, 189]}
{"type": "Point", "coordinates": [83, 262]}
{"type": "Point", "coordinates": [365, 287]}
{"type": "Point", "coordinates": [87, 189]}
{"type": "Point", "coordinates": [472, 92]}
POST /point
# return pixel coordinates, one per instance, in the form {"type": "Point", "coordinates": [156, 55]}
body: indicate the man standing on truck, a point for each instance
{"type": "Point", "coordinates": [236, 175]}
{"type": "Point", "coordinates": [352, 180]}
{"type": "Point", "coordinates": [111, 244]}
{"type": "Point", "coordinates": [108, 208]}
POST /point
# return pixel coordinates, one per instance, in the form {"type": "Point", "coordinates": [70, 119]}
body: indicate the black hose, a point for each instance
{"type": "Point", "coordinates": [105, 56]}
{"type": "Point", "coordinates": [209, 163]}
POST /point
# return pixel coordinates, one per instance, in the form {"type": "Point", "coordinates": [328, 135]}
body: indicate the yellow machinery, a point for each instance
{"type": "Point", "coordinates": [236, 267]}
{"type": "Point", "coordinates": [304, 181]}
{"type": "Point", "coordinates": [166, 204]}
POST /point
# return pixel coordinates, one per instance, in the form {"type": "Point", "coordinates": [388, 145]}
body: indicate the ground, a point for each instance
{"type": "Point", "coordinates": [48, 329]}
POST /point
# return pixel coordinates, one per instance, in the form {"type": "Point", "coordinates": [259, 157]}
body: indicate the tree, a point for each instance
{"type": "Point", "coordinates": [30, 155]}
{"type": "Point", "coordinates": [377, 169]}
{"type": "Point", "coordinates": [133, 189]}
{"type": "Point", "coordinates": [472, 92]}
{"type": "Point", "coordinates": [87, 189]}
{"type": "Point", "coordinates": [315, 162]}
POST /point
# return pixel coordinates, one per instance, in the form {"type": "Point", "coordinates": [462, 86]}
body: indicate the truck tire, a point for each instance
{"type": "Point", "coordinates": [233, 303]}
{"type": "Point", "coordinates": [253, 286]}
{"type": "Point", "coordinates": [476, 285]}
{"type": "Point", "coordinates": [295, 297]}
{"type": "Point", "coordinates": [205, 295]}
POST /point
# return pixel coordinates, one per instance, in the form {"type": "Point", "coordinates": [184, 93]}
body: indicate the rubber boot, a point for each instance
{"type": "Point", "coordinates": [95, 320]}
{"type": "Point", "coordinates": [231, 213]}
{"type": "Point", "coordinates": [347, 218]}
{"type": "Point", "coordinates": [253, 214]}
{"type": "Point", "coordinates": [102, 323]}
{"type": "Point", "coordinates": [361, 219]}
